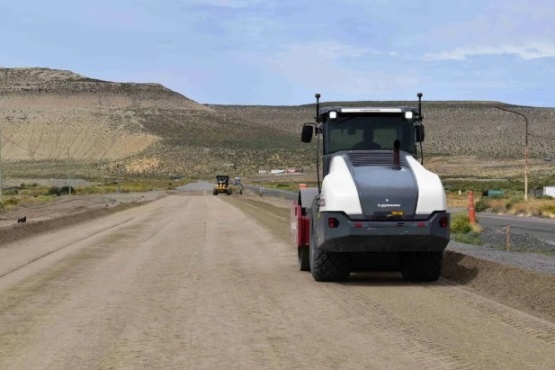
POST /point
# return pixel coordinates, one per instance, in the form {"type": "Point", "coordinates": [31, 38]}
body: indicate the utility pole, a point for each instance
{"type": "Point", "coordinates": [118, 178]}
{"type": "Point", "coordinates": [68, 174]}
{"type": "Point", "coordinates": [525, 151]}
{"type": "Point", "coordinates": [0, 165]}
{"type": "Point", "coordinates": [102, 176]}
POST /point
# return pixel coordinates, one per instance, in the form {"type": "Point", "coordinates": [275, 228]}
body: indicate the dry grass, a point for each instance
{"type": "Point", "coordinates": [33, 195]}
{"type": "Point", "coordinates": [457, 201]}
{"type": "Point", "coordinates": [518, 206]}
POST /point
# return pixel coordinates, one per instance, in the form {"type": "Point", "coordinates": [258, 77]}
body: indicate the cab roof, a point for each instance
{"type": "Point", "coordinates": [347, 110]}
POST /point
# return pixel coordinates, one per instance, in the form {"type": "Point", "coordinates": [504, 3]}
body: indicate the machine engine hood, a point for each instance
{"type": "Point", "coordinates": [382, 188]}
{"type": "Point", "coordinates": [367, 185]}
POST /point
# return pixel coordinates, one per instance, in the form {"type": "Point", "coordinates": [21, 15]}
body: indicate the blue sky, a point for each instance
{"type": "Point", "coordinates": [282, 52]}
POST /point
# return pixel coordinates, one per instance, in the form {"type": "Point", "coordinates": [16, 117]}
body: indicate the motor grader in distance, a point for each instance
{"type": "Point", "coordinates": [377, 207]}
{"type": "Point", "coordinates": [222, 185]}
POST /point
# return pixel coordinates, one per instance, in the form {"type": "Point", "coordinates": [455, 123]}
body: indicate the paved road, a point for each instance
{"type": "Point", "coordinates": [541, 228]}
{"type": "Point", "coordinates": [191, 282]}
{"type": "Point", "coordinates": [271, 192]}
{"type": "Point", "coordinates": [197, 186]}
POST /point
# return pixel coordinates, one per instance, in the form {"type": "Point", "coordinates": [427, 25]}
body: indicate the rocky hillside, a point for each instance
{"type": "Point", "coordinates": [49, 117]}
{"type": "Point", "coordinates": [55, 121]}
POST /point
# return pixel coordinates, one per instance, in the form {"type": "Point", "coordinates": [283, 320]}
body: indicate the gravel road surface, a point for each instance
{"type": "Point", "coordinates": [191, 282]}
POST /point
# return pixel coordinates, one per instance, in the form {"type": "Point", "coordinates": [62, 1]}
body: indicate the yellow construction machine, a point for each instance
{"type": "Point", "coordinates": [222, 185]}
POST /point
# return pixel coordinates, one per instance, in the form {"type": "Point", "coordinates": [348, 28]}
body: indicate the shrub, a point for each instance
{"type": "Point", "coordinates": [481, 205]}
{"type": "Point", "coordinates": [460, 223]}
{"type": "Point", "coordinates": [10, 192]}
{"type": "Point", "coordinates": [509, 203]}
{"type": "Point", "coordinates": [66, 189]}
{"type": "Point", "coordinates": [54, 190]}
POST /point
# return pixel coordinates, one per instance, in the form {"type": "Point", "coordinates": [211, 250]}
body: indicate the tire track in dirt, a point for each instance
{"type": "Point", "coordinates": [34, 259]}
{"type": "Point", "coordinates": [528, 291]}
{"type": "Point", "coordinates": [407, 321]}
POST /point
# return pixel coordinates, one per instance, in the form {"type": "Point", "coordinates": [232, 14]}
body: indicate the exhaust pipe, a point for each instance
{"type": "Point", "coordinates": [396, 155]}
{"type": "Point", "coordinates": [317, 118]}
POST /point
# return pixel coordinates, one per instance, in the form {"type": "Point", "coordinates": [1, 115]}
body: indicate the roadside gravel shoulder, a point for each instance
{"type": "Point", "coordinates": [542, 263]}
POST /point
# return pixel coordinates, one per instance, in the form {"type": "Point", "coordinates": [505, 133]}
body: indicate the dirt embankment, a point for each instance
{"type": "Point", "coordinates": [65, 212]}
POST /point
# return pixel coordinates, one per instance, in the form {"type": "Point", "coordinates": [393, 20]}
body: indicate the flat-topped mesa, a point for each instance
{"type": "Point", "coordinates": [35, 83]}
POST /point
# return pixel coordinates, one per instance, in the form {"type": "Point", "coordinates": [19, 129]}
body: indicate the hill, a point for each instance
{"type": "Point", "coordinates": [463, 138]}
{"type": "Point", "coordinates": [54, 122]}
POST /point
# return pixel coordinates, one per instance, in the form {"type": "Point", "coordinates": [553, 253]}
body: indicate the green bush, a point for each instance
{"type": "Point", "coordinates": [66, 189]}
{"type": "Point", "coordinates": [10, 192]}
{"type": "Point", "coordinates": [509, 203]}
{"type": "Point", "coordinates": [54, 190]}
{"type": "Point", "coordinates": [460, 223]}
{"type": "Point", "coordinates": [481, 205]}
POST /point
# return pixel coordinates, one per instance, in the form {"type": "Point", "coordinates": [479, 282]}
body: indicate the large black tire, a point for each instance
{"type": "Point", "coordinates": [327, 266]}
{"type": "Point", "coordinates": [215, 192]}
{"type": "Point", "coordinates": [304, 258]}
{"type": "Point", "coordinates": [421, 266]}
{"type": "Point", "coordinates": [228, 191]}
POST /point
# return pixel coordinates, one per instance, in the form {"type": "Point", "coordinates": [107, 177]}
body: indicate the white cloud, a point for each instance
{"type": "Point", "coordinates": [328, 50]}
{"type": "Point", "coordinates": [533, 50]}
{"type": "Point", "coordinates": [318, 66]}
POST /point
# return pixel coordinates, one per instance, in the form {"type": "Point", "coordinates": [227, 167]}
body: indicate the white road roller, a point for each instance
{"type": "Point", "coordinates": [377, 207]}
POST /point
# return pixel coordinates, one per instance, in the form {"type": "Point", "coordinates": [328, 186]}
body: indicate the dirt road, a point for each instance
{"type": "Point", "coordinates": [191, 282]}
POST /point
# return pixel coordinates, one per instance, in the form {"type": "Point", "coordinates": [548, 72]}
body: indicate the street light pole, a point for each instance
{"type": "Point", "coordinates": [525, 151]}
{"type": "Point", "coordinates": [0, 165]}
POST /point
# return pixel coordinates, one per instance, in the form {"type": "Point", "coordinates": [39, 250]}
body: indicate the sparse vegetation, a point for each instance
{"type": "Point", "coordinates": [41, 194]}
{"type": "Point", "coordinates": [152, 131]}
{"type": "Point", "coordinates": [460, 223]}
{"type": "Point", "coordinates": [463, 231]}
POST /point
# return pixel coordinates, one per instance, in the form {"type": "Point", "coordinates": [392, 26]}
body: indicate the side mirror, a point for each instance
{"type": "Point", "coordinates": [419, 131]}
{"type": "Point", "coordinates": [308, 132]}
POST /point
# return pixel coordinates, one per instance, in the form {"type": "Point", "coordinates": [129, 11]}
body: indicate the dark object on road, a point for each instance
{"type": "Point", "coordinates": [222, 185]}
{"type": "Point", "coordinates": [22, 220]}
